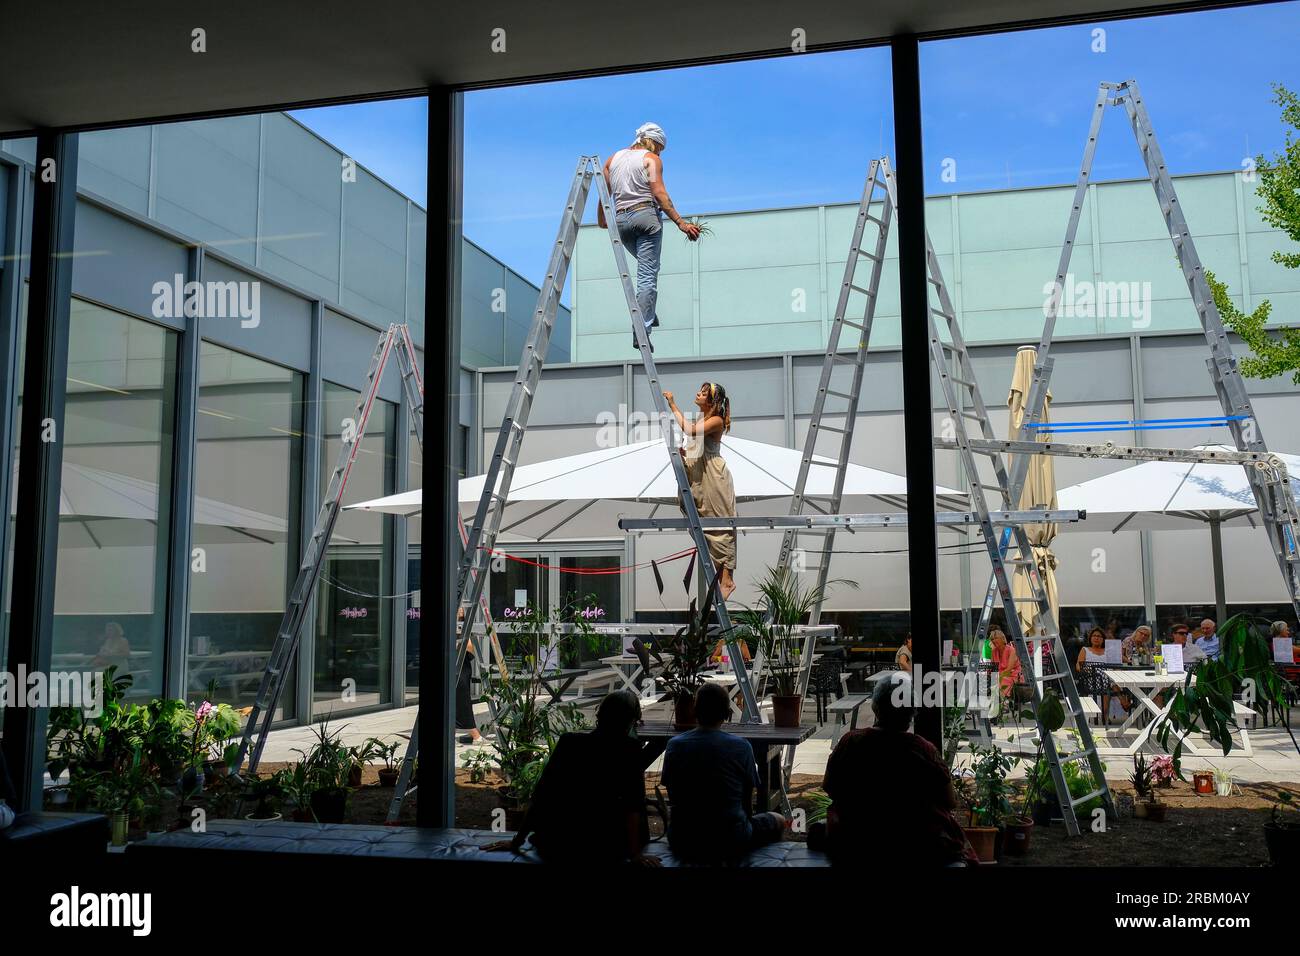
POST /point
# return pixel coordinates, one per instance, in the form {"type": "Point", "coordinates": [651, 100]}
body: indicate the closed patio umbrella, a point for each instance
{"type": "Point", "coordinates": [1039, 492]}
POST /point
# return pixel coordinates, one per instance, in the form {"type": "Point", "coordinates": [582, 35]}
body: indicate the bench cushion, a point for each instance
{"type": "Point", "coordinates": [281, 836]}
{"type": "Point", "coordinates": [57, 833]}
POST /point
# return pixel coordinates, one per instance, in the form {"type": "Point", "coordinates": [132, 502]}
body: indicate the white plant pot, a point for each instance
{"type": "Point", "coordinates": [1223, 788]}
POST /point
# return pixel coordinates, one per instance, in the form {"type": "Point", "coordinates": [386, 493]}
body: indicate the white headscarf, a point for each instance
{"type": "Point", "coordinates": [652, 132]}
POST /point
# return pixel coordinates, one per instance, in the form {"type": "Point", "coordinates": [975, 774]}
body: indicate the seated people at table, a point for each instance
{"type": "Point", "coordinates": [1283, 629]}
{"type": "Point", "coordinates": [1136, 648]}
{"type": "Point", "coordinates": [891, 795]}
{"type": "Point", "coordinates": [589, 806]}
{"type": "Point", "coordinates": [710, 776]}
{"type": "Point", "coordinates": [720, 651]}
{"type": "Point", "coordinates": [1209, 639]}
{"type": "Point", "coordinates": [903, 658]}
{"type": "Point", "coordinates": [1092, 658]}
{"type": "Point", "coordinates": [1006, 660]}
{"type": "Point", "coordinates": [1191, 653]}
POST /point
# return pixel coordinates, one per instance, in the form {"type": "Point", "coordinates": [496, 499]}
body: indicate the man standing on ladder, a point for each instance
{"type": "Point", "coordinates": [636, 181]}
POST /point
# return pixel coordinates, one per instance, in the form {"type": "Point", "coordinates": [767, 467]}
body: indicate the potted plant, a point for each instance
{"type": "Point", "coordinates": [528, 726]}
{"type": "Point", "coordinates": [328, 766]}
{"type": "Point", "coordinates": [1203, 782]}
{"type": "Point", "coordinates": [786, 606]}
{"type": "Point", "coordinates": [1282, 832]}
{"type": "Point", "coordinates": [986, 794]}
{"type": "Point", "coordinates": [685, 656]}
{"type": "Point", "coordinates": [1224, 781]}
{"type": "Point", "coordinates": [265, 792]}
{"type": "Point", "coordinates": [298, 788]}
{"type": "Point", "coordinates": [1162, 771]}
{"type": "Point", "coordinates": [1147, 805]}
{"type": "Point", "coordinates": [1019, 827]}
{"type": "Point", "coordinates": [361, 755]}
{"type": "Point", "coordinates": [392, 768]}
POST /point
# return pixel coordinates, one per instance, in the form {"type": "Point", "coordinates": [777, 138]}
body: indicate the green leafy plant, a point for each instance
{"type": "Point", "coordinates": [265, 792]}
{"type": "Point", "coordinates": [686, 655]}
{"type": "Point", "coordinates": [1279, 184]}
{"type": "Point", "coordinates": [786, 604]}
{"type": "Point", "coordinates": [376, 749]}
{"type": "Point", "coordinates": [984, 786]}
{"type": "Point", "coordinates": [1141, 779]}
{"type": "Point", "coordinates": [1283, 812]}
{"type": "Point", "coordinates": [954, 732]}
{"type": "Point", "coordinates": [821, 804]}
{"type": "Point", "coordinates": [705, 229]}
{"type": "Point", "coordinates": [1205, 701]}
{"type": "Point", "coordinates": [327, 763]}
{"type": "Point", "coordinates": [528, 725]}
{"type": "Point", "coordinates": [1050, 719]}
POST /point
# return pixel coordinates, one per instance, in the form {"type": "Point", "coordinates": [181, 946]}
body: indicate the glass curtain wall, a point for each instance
{"type": "Point", "coordinates": [246, 520]}
{"type": "Point", "coordinates": [353, 657]}
{"type": "Point", "coordinates": [110, 593]}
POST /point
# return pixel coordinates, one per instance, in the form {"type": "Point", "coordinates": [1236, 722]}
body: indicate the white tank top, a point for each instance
{"type": "Point", "coordinates": [628, 178]}
{"type": "Point", "coordinates": [1095, 655]}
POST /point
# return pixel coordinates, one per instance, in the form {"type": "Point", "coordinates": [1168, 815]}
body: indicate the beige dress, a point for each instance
{"type": "Point", "coordinates": [715, 497]}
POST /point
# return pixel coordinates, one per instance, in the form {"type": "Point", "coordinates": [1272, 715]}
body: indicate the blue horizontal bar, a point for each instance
{"type": "Point", "coordinates": [1141, 423]}
{"type": "Point", "coordinates": [1130, 428]}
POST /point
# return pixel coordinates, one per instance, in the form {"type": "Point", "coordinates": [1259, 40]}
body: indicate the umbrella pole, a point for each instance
{"type": "Point", "coordinates": [1216, 554]}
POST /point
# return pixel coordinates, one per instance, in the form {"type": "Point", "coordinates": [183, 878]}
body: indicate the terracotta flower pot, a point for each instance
{"type": "Point", "coordinates": [354, 776]}
{"type": "Point", "coordinates": [786, 709]}
{"type": "Point", "coordinates": [684, 712]}
{"type": "Point", "coordinates": [1203, 782]}
{"type": "Point", "coordinates": [1016, 839]}
{"type": "Point", "coordinates": [984, 841]}
{"type": "Point", "coordinates": [388, 778]}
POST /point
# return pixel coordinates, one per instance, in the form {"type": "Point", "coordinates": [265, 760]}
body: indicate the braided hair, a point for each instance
{"type": "Point", "coordinates": [720, 404]}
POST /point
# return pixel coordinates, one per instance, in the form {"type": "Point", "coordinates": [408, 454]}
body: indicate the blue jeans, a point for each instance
{"type": "Point", "coordinates": [642, 233]}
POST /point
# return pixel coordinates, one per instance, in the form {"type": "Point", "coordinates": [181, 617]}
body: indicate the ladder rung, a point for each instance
{"type": "Point", "coordinates": [1076, 756]}
{"type": "Point", "coordinates": [1086, 797]}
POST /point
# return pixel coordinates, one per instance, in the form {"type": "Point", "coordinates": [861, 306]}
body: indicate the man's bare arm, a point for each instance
{"type": "Point", "coordinates": [655, 167]}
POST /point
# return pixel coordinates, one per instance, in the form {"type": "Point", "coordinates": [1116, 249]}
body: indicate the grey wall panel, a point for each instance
{"type": "Point", "coordinates": [114, 163]}
{"type": "Point", "coordinates": [206, 178]}
{"type": "Point", "coordinates": [118, 263]}
{"type": "Point", "coordinates": [374, 250]}
{"type": "Point", "coordinates": [882, 382]}
{"type": "Point", "coordinates": [754, 384]}
{"type": "Point", "coordinates": [346, 348]}
{"type": "Point", "coordinates": [416, 226]}
{"type": "Point", "coordinates": [283, 334]}
{"type": "Point", "coordinates": [566, 396]}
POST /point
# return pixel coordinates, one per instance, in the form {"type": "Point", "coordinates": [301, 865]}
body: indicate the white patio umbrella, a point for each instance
{"type": "Point", "coordinates": [1171, 496]}
{"type": "Point", "coordinates": [99, 508]}
{"type": "Point", "coordinates": [583, 496]}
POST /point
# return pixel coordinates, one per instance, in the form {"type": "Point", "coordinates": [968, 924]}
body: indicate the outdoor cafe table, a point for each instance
{"type": "Point", "coordinates": [766, 739]}
{"type": "Point", "coordinates": [1142, 685]}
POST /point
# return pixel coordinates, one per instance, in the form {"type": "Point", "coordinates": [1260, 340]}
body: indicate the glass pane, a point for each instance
{"type": "Point", "coordinates": [353, 666]}
{"type": "Point", "coordinates": [110, 594]}
{"type": "Point", "coordinates": [246, 519]}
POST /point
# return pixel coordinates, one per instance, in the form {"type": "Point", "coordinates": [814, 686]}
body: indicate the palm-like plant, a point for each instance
{"type": "Point", "coordinates": [786, 604]}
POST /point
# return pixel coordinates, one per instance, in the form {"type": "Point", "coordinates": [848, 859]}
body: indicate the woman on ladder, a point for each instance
{"type": "Point", "coordinates": [711, 485]}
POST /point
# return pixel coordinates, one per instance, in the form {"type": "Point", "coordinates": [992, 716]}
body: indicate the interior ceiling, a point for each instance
{"type": "Point", "coordinates": [79, 64]}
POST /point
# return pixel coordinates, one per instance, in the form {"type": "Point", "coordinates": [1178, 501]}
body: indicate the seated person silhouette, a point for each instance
{"type": "Point", "coordinates": [710, 776]}
{"type": "Point", "coordinates": [891, 795]}
{"type": "Point", "coordinates": [589, 807]}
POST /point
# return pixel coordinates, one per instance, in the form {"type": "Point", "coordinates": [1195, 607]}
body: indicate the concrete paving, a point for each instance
{"type": "Point", "coordinates": [1274, 756]}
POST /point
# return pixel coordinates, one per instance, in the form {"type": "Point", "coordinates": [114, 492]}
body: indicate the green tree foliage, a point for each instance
{"type": "Point", "coordinates": [1279, 188]}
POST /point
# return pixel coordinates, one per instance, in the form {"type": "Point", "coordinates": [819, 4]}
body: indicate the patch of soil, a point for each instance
{"type": "Point", "coordinates": [1197, 831]}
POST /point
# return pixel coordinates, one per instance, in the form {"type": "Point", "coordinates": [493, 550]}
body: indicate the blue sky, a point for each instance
{"type": "Point", "coordinates": [1009, 110]}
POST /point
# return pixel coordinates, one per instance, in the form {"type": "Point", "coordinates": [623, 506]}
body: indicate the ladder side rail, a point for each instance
{"type": "Point", "coordinates": [704, 561]}
{"type": "Point", "coordinates": [500, 471]}
{"type": "Point", "coordinates": [261, 715]}
{"type": "Point", "coordinates": [1230, 388]}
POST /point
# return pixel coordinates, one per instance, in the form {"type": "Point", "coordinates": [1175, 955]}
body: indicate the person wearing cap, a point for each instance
{"type": "Point", "coordinates": [636, 183]}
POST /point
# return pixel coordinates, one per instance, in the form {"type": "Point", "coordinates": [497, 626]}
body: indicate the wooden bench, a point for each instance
{"type": "Point", "coordinates": [845, 710]}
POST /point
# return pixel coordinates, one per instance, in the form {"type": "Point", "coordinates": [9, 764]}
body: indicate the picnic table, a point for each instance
{"type": "Point", "coordinates": [766, 739]}
{"type": "Point", "coordinates": [1143, 685]}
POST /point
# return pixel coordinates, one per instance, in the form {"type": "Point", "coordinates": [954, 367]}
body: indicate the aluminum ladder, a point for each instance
{"type": "Point", "coordinates": [395, 340]}
{"type": "Point", "coordinates": [1269, 481]}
